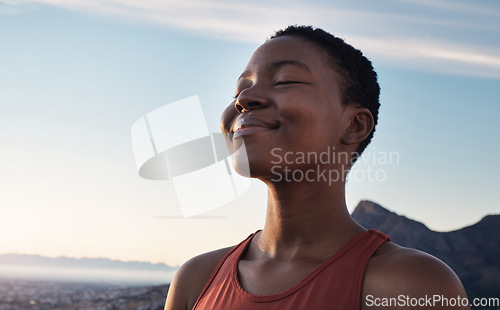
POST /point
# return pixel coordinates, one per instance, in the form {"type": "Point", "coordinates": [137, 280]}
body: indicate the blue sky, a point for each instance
{"type": "Point", "coordinates": [75, 76]}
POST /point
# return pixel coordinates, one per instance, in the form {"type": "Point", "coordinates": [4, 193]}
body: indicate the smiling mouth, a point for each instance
{"type": "Point", "coordinates": [246, 131]}
{"type": "Point", "coordinates": [250, 126]}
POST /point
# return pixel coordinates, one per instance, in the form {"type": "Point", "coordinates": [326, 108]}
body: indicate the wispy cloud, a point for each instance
{"type": "Point", "coordinates": [456, 6]}
{"type": "Point", "coordinates": [238, 21]}
{"type": "Point", "coordinates": [432, 55]}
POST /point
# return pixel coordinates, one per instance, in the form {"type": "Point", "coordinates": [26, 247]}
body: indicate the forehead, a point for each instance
{"type": "Point", "coordinates": [291, 49]}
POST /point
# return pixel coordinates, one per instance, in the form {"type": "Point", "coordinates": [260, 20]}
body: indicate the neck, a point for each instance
{"type": "Point", "coordinates": [304, 217]}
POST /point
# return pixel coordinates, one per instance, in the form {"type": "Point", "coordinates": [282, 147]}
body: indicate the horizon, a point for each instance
{"type": "Point", "coordinates": [177, 266]}
{"type": "Point", "coordinates": [77, 76]}
{"type": "Point", "coordinates": [87, 257]}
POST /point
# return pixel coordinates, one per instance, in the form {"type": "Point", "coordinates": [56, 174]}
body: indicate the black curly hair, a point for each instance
{"type": "Point", "coordinates": [359, 80]}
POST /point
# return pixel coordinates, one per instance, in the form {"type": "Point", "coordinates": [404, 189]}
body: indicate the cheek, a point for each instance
{"type": "Point", "coordinates": [313, 126]}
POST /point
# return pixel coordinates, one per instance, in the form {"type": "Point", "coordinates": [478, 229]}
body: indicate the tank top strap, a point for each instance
{"type": "Point", "coordinates": [236, 250]}
{"type": "Point", "coordinates": [370, 246]}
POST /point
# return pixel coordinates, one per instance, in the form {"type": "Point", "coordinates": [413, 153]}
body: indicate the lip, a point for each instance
{"type": "Point", "coordinates": [246, 126]}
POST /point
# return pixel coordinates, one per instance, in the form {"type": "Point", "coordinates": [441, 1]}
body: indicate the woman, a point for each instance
{"type": "Point", "coordinates": [302, 93]}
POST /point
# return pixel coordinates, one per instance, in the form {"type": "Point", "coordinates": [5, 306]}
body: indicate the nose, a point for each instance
{"type": "Point", "coordinates": [249, 100]}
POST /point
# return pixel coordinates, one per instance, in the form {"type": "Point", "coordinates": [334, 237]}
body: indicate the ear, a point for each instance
{"type": "Point", "coordinates": [360, 126]}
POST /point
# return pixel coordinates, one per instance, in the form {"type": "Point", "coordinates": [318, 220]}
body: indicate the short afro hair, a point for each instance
{"type": "Point", "coordinates": [359, 80]}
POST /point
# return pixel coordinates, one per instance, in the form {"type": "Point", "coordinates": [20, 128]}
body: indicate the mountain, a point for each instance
{"type": "Point", "coordinates": [66, 262]}
{"type": "Point", "coordinates": [472, 252]}
{"type": "Point", "coordinates": [83, 270]}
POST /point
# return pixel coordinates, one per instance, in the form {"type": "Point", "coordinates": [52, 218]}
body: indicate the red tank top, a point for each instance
{"type": "Point", "coordinates": [334, 284]}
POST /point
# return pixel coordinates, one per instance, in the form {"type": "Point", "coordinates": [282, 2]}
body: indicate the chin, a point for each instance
{"type": "Point", "coordinates": [250, 161]}
{"type": "Point", "coordinates": [240, 161]}
{"type": "Point", "coordinates": [249, 167]}
{"type": "Point", "coordinates": [242, 169]}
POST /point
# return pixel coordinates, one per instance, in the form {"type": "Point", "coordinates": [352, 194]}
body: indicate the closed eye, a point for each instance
{"type": "Point", "coordinates": [287, 82]}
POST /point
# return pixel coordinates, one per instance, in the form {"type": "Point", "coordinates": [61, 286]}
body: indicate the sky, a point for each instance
{"type": "Point", "coordinates": [76, 75]}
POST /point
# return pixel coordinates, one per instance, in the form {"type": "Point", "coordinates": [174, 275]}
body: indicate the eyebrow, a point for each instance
{"type": "Point", "coordinates": [278, 64]}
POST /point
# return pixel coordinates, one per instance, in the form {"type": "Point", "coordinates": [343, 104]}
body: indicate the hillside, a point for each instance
{"type": "Point", "coordinates": [473, 252]}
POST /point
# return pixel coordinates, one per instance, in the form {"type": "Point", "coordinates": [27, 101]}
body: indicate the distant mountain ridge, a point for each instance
{"type": "Point", "coordinates": [67, 262]}
{"type": "Point", "coordinates": [472, 252]}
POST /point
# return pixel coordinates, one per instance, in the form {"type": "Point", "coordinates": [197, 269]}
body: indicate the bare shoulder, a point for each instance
{"type": "Point", "coordinates": [410, 276]}
{"type": "Point", "coordinates": [191, 278]}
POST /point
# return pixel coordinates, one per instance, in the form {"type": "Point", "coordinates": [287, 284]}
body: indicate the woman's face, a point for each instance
{"type": "Point", "coordinates": [287, 101]}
